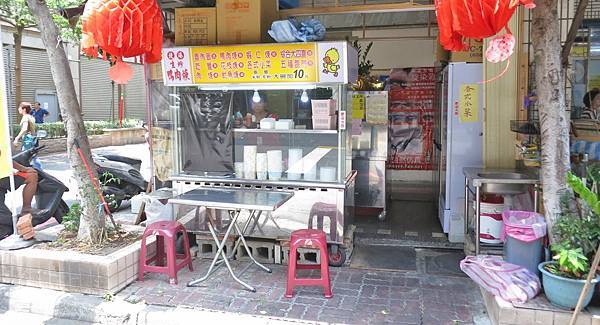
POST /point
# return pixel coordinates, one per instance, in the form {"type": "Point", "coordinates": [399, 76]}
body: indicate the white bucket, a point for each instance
{"type": "Point", "coordinates": [491, 223]}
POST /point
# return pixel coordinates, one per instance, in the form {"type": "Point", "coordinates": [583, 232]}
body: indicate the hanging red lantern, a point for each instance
{"type": "Point", "coordinates": [118, 29]}
{"type": "Point", "coordinates": [478, 19]}
{"type": "Point", "coordinates": [459, 19]}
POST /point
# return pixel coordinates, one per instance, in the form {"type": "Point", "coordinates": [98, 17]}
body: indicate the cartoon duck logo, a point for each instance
{"type": "Point", "coordinates": [332, 57]}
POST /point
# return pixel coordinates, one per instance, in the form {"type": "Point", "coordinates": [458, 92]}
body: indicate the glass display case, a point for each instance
{"type": "Point", "coordinates": [261, 116]}
{"type": "Point", "coordinates": [273, 139]}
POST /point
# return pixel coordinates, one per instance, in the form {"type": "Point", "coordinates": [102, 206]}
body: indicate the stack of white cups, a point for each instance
{"type": "Point", "coordinates": [261, 166]}
{"type": "Point", "coordinates": [250, 162]}
{"type": "Point", "coordinates": [274, 164]}
{"type": "Point", "coordinates": [295, 162]}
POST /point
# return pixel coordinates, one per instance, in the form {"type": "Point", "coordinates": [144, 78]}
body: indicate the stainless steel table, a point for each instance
{"type": "Point", "coordinates": [481, 177]}
{"type": "Point", "coordinates": [233, 200]}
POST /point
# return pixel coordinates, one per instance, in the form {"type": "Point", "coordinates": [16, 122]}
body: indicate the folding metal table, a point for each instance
{"type": "Point", "coordinates": [233, 200]}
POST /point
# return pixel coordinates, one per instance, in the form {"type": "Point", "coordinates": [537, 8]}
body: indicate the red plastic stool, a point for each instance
{"type": "Point", "coordinates": [166, 233]}
{"type": "Point", "coordinates": [308, 238]}
{"type": "Point", "coordinates": [321, 210]}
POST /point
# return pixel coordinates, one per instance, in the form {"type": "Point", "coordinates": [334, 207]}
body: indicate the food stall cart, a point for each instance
{"type": "Point", "coordinates": [261, 116]}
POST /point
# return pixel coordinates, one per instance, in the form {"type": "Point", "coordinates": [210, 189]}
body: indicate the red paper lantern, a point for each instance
{"type": "Point", "coordinates": [119, 29]}
{"type": "Point", "coordinates": [478, 19]}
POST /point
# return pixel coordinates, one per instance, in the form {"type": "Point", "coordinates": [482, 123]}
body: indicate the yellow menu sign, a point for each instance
{"type": "Point", "coordinates": [358, 106]}
{"type": "Point", "coordinates": [468, 105]}
{"type": "Point", "coordinates": [254, 63]}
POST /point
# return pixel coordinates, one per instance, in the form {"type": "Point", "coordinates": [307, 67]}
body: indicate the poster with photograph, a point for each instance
{"type": "Point", "coordinates": [412, 92]}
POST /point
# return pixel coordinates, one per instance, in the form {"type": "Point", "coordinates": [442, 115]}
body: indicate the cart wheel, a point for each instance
{"type": "Point", "coordinates": [382, 215]}
{"type": "Point", "coordinates": [337, 256]}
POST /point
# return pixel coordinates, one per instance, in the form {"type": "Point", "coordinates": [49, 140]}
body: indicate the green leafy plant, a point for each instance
{"type": "Point", "coordinates": [577, 230]}
{"type": "Point", "coordinates": [107, 179]}
{"type": "Point", "coordinates": [71, 219]}
{"type": "Point", "coordinates": [584, 192]}
{"type": "Point", "coordinates": [571, 263]}
{"type": "Point", "coordinates": [364, 65]}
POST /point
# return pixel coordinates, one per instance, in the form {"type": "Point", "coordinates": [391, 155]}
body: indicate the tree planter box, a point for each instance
{"type": "Point", "coordinates": [125, 136]}
{"type": "Point", "coordinates": [73, 271]}
{"type": "Point", "coordinates": [111, 137]}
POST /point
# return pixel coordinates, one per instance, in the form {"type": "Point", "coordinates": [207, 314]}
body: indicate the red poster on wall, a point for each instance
{"type": "Point", "coordinates": [412, 92]}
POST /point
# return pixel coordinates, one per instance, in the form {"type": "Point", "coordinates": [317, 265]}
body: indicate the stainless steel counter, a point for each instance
{"type": "Point", "coordinates": [495, 181]}
{"type": "Point", "coordinates": [479, 176]}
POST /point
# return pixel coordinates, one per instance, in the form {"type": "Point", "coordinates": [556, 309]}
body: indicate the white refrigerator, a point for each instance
{"type": "Point", "coordinates": [458, 139]}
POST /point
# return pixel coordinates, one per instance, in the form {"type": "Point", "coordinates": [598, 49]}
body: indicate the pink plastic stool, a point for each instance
{"type": "Point", "coordinates": [166, 233]}
{"type": "Point", "coordinates": [308, 238]}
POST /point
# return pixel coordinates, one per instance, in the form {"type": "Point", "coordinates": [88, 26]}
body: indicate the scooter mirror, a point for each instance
{"type": "Point", "coordinates": [42, 134]}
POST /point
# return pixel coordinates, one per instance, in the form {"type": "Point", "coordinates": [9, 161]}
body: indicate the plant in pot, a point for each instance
{"type": "Point", "coordinates": [577, 233]}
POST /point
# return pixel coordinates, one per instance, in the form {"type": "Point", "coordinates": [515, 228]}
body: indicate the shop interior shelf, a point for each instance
{"type": "Point", "coordinates": [300, 131]}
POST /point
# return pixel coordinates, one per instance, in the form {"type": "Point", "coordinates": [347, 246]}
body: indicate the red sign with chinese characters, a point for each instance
{"type": "Point", "coordinates": [255, 63]}
{"type": "Point", "coordinates": [410, 115]}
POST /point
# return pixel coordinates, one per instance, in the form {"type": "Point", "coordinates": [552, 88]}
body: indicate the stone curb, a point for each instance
{"type": "Point", "coordinates": [94, 309]}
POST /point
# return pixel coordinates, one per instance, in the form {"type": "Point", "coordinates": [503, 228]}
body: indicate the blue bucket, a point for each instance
{"type": "Point", "coordinates": [564, 292]}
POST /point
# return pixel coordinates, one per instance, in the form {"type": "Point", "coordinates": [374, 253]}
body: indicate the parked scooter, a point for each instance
{"type": "Point", "coordinates": [48, 198]}
{"type": "Point", "coordinates": [121, 180]}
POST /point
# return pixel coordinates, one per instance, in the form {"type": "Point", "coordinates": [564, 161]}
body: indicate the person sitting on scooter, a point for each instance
{"type": "Point", "coordinates": [27, 176]}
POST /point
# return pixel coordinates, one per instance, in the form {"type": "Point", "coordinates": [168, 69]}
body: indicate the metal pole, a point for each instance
{"type": "Point", "coordinates": [466, 218]}
{"type": "Point", "coordinates": [586, 287]}
{"type": "Point", "coordinates": [477, 218]}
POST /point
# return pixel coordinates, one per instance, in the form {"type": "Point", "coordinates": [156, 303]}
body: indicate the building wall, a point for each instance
{"type": "Point", "coordinates": [95, 88]}
{"type": "Point", "coordinates": [35, 75]}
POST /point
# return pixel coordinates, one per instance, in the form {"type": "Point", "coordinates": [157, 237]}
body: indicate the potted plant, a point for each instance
{"type": "Point", "coordinates": [577, 233]}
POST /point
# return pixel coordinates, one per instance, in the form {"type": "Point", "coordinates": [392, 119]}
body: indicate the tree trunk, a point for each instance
{"type": "Point", "coordinates": [554, 121]}
{"type": "Point", "coordinates": [92, 223]}
{"type": "Point", "coordinates": [18, 38]}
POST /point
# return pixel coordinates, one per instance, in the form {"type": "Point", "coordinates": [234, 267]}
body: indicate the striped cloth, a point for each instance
{"type": "Point", "coordinates": [589, 147]}
{"type": "Point", "coordinates": [508, 281]}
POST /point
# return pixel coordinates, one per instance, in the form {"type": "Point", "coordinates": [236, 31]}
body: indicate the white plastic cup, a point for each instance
{"type": "Point", "coordinates": [295, 162]}
{"type": "Point", "coordinates": [239, 169]}
{"type": "Point", "coordinates": [327, 174]}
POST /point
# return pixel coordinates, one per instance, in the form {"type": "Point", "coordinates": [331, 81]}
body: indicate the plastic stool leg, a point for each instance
{"type": "Point", "coordinates": [160, 251]}
{"type": "Point", "coordinates": [142, 260]}
{"type": "Point", "coordinates": [186, 247]}
{"type": "Point", "coordinates": [325, 272]}
{"type": "Point", "coordinates": [291, 278]}
{"type": "Point", "coordinates": [171, 260]}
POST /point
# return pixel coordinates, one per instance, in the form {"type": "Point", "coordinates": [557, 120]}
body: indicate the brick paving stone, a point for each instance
{"type": "Point", "coordinates": [367, 291]}
{"type": "Point", "coordinates": [377, 282]}
{"type": "Point", "coordinates": [405, 293]}
{"type": "Point", "coordinates": [311, 313]}
{"type": "Point", "coordinates": [277, 309]}
{"type": "Point", "coordinates": [349, 286]}
{"type": "Point", "coordinates": [296, 311]}
{"type": "Point", "coordinates": [374, 301]}
{"type": "Point", "coordinates": [237, 304]}
{"type": "Point", "coordinates": [334, 302]}
{"type": "Point", "coordinates": [310, 301]}
{"type": "Point", "coordinates": [344, 292]}
{"type": "Point", "coordinates": [349, 303]}
{"type": "Point", "coordinates": [180, 298]}
{"type": "Point", "coordinates": [383, 291]}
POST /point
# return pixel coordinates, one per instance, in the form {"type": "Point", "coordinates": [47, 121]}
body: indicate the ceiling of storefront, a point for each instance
{"type": "Point", "coordinates": [344, 21]}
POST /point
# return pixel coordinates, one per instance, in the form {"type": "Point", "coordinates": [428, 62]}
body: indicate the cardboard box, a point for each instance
{"type": "Point", "coordinates": [156, 71]}
{"type": "Point", "coordinates": [245, 21]}
{"type": "Point", "coordinates": [473, 55]}
{"type": "Point", "coordinates": [195, 26]}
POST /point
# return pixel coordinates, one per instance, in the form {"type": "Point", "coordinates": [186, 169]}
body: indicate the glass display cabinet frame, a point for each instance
{"type": "Point", "coordinates": [210, 142]}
